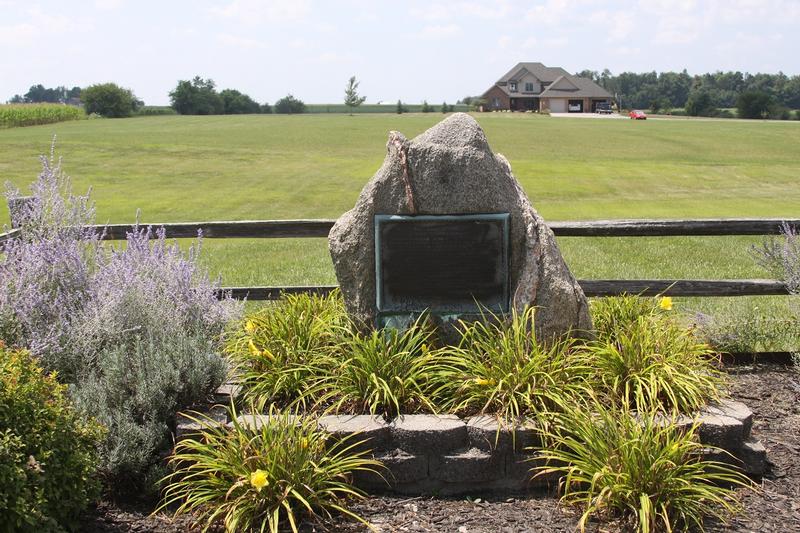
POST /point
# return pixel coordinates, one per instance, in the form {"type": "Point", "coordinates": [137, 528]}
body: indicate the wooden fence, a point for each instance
{"type": "Point", "coordinates": [271, 229]}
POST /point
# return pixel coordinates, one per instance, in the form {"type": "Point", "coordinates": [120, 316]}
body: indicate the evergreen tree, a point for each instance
{"type": "Point", "coordinates": [351, 96]}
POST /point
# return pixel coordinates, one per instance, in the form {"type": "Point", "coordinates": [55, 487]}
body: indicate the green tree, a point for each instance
{"type": "Point", "coordinates": [661, 104]}
{"type": "Point", "coordinates": [109, 100]}
{"type": "Point", "coordinates": [446, 108]}
{"type": "Point", "coordinates": [754, 104]}
{"type": "Point", "coordinates": [237, 103]}
{"type": "Point", "coordinates": [401, 108]}
{"type": "Point", "coordinates": [289, 105]}
{"type": "Point", "coordinates": [700, 104]}
{"type": "Point", "coordinates": [266, 108]}
{"type": "Point", "coordinates": [426, 108]}
{"type": "Point", "coordinates": [351, 97]}
{"type": "Point", "coordinates": [196, 97]}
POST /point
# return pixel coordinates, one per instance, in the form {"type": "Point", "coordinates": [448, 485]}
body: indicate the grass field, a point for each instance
{"type": "Point", "coordinates": [177, 168]}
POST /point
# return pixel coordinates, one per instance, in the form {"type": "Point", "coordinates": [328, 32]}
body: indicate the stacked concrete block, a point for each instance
{"type": "Point", "coordinates": [444, 454]}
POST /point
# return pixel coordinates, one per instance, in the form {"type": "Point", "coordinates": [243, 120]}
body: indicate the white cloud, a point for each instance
{"type": "Point", "coordinates": [438, 31]}
{"type": "Point", "coordinates": [498, 9]}
{"type": "Point", "coordinates": [18, 34]}
{"type": "Point", "coordinates": [555, 42]}
{"type": "Point", "coordinates": [108, 5]}
{"type": "Point", "coordinates": [335, 57]}
{"type": "Point", "coordinates": [486, 10]}
{"type": "Point", "coordinates": [618, 26]}
{"type": "Point", "coordinates": [556, 12]}
{"type": "Point", "coordinates": [240, 42]}
{"type": "Point", "coordinates": [677, 30]}
{"type": "Point", "coordinates": [25, 33]}
{"type": "Point", "coordinates": [254, 11]}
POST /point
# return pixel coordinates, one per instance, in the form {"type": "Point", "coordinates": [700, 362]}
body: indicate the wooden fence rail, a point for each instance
{"type": "Point", "coordinates": [271, 229]}
{"type": "Point", "coordinates": [591, 287]}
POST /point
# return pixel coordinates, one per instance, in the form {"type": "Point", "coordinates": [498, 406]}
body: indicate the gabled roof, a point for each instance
{"type": "Point", "coordinates": [573, 86]}
{"type": "Point", "coordinates": [559, 82]}
{"type": "Point", "coordinates": [539, 71]}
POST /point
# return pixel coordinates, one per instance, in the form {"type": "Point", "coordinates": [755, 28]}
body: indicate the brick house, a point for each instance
{"type": "Point", "coordinates": [535, 87]}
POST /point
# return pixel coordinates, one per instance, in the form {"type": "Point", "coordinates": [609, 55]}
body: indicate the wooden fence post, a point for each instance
{"type": "Point", "coordinates": [17, 208]}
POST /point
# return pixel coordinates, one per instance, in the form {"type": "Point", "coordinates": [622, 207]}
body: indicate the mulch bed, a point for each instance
{"type": "Point", "coordinates": [771, 391]}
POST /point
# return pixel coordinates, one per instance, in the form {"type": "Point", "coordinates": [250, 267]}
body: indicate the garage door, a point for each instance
{"type": "Point", "coordinates": [558, 105]}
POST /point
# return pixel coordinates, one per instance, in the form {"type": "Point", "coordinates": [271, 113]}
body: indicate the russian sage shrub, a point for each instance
{"type": "Point", "coordinates": [46, 272]}
{"type": "Point", "coordinates": [781, 256]}
{"type": "Point", "coordinates": [152, 331]}
{"type": "Point", "coordinates": [135, 330]}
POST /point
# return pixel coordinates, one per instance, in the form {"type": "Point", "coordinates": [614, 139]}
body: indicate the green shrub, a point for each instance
{"type": "Point", "coordinates": [382, 372]}
{"type": "Point", "coordinates": [109, 100]}
{"type": "Point", "coordinates": [700, 104]}
{"type": "Point", "coordinates": [500, 369]}
{"type": "Point", "coordinates": [289, 105]}
{"type": "Point", "coordinates": [279, 351]}
{"type": "Point", "coordinates": [754, 104]}
{"type": "Point", "coordinates": [197, 96]}
{"type": "Point", "coordinates": [639, 469]}
{"type": "Point", "coordinates": [614, 314]}
{"type": "Point", "coordinates": [134, 389]}
{"type": "Point", "coordinates": [47, 452]}
{"type": "Point", "coordinates": [263, 478]}
{"type": "Point", "coordinates": [654, 360]}
{"type": "Point", "coordinates": [750, 331]}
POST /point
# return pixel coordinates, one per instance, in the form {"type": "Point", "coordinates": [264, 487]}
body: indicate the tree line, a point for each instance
{"type": "Point", "coordinates": [197, 96]}
{"type": "Point", "coordinates": [762, 95]}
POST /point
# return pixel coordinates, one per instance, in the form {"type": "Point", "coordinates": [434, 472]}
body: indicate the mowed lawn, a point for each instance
{"type": "Point", "coordinates": [177, 168]}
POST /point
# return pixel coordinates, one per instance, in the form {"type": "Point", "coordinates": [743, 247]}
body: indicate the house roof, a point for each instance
{"type": "Point", "coordinates": [573, 86]}
{"type": "Point", "coordinates": [562, 83]}
{"type": "Point", "coordinates": [541, 72]}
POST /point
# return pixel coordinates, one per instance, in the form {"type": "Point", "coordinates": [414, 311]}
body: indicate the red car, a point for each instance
{"type": "Point", "coordinates": [637, 114]}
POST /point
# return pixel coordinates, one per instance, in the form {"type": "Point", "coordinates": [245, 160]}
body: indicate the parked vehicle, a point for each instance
{"type": "Point", "coordinates": [637, 114]}
{"type": "Point", "coordinates": [603, 108]}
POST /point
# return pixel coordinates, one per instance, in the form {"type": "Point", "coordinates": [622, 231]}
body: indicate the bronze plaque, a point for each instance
{"type": "Point", "coordinates": [446, 264]}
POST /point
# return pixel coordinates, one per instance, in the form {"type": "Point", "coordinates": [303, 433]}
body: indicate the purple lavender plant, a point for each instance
{"type": "Point", "coordinates": [781, 256]}
{"type": "Point", "coordinates": [135, 329]}
{"type": "Point", "coordinates": [46, 275]}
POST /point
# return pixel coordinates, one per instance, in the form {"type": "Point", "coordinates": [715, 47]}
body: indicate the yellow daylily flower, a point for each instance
{"type": "Point", "coordinates": [304, 443]}
{"type": "Point", "coordinates": [253, 349]}
{"type": "Point", "coordinates": [483, 382]}
{"type": "Point", "coordinates": [665, 303]}
{"type": "Point", "coordinates": [258, 480]}
{"type": "Point", "coordinates": [249, 326]}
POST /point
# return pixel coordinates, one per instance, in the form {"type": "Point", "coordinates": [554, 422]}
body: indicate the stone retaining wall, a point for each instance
{"type": "Point", "coordinates": [444, 454]}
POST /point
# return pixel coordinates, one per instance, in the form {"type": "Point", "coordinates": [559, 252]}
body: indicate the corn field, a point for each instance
{"type": "Point", "coordinates": [13, 115]}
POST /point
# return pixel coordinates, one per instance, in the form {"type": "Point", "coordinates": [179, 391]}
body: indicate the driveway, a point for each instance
{"type": "Point", "coordinates": [587, 115]}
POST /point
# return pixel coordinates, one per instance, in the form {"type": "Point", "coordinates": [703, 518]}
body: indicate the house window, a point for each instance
{"type": "Point", "coordinates": [512, 86]}
{"type": "Point", "coordinates": [528, 87]}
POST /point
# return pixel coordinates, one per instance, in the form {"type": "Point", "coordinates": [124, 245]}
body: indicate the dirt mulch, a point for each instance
{"type": "Point", "coordinates": [771, 391]}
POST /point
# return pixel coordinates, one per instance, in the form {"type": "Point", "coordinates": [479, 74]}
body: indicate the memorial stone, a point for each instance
{"type": "Point", "coordinates": [444, 226]}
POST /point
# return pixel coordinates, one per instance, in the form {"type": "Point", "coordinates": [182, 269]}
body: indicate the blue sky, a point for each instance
{"type": "Point", "coordinates": [413, 50]}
